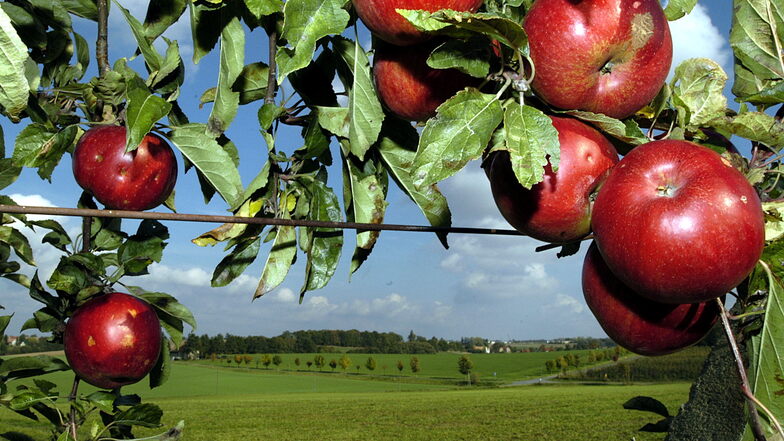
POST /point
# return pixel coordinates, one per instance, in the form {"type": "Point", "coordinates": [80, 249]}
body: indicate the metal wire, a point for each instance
{"type": "Point", "coordinates": [183, 217]}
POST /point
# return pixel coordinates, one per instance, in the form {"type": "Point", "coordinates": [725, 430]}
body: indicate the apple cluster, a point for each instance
{"type": "Point", "coordinates": [675, 225]}
{"type": "Point", "coordinates": [408, 87]}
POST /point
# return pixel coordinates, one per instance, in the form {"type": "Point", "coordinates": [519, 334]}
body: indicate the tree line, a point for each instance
{"type": "Point", "coordinates": [312, 341]}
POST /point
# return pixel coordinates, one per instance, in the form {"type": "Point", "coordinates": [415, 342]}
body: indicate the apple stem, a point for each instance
{"type": "Point", "coordinates": [751, 401]}
{"type": "Point", "coordinates": [72, 425]}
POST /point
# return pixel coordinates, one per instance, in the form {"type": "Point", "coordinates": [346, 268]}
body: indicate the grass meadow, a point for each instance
{"type": "Point", "coordinates": [220, 403]}
{"type": "Point", "coordinates": [491, 368]}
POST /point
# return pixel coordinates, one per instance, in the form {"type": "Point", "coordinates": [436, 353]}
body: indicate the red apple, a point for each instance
{"type": "Point", "coordinates": [138, 180]}
{"type": "Point", "coordinates": [410, 88]}
{"type": "Point", "coordinates": [604, 56]}
{"type": "Point", "coordinates": [638, 324]}
{"type": "Point", "coordinates": [677, 223]}
{"type": "Point", "coordinates": [558, 209]}
{"type": "Point", "coordinates": [113, 340]}
{"type": "Point", "coordinates": [381, 17]}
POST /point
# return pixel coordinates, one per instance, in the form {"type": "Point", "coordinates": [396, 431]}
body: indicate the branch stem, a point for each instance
{"type": "Point", "coordinates": [102, 42]}
{"type": "Point", "coordinates": [272, 76]}
{"type": "Point", "coordinates": [72, 425]}
{"type": "Point", "coordinates": [756, 425]}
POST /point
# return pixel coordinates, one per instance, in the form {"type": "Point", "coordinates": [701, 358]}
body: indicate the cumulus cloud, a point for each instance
{"type": "Point", "coordinates": [695, 35]}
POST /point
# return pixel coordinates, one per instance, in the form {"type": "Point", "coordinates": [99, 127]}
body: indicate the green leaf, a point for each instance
{"type": "Point", "coordinates": [206, 26]}
{"type": "Point", "coordinates": [161, 14]}
{"type": "Point", "coordinates": [469, 57]}
{"type": "Point", "coordinates": [102, 400]}
{"type": "Point", "coordinates": [279, 260]}
{"type": "Point", "coordinates": [530, 139]}
{"type": "Point", "coordinates": [170, 76]}
{"type": "Point", "coordinates": [368, 192]}
{"type": "Point", "coordinates": [768, 95]}
{"type": "Point", "coordinates": [251, 84]}
{"type": "Point", "coordinates": [39, 146]}
{"type": "Point", "coordinates": [456, 135]}
{"type": "Point", "coordinates": [628, 131]}
{"type": "Point", "coordinates": [365, 114]}
{"type": "Point", "coordinates": [204, 152]}
{"type": "Point", "coordinates": [232, 61]}
{"type": "Point", "coordinates": [150, 54]}
{"type": "Point", "coordinates": [143, 111]}
{"type": "Point", "coordinates": [137, 253]}
{"type": "Point", "coordinates": [25, 367]}
{"type": "Point", "coordinates": [305, 22]}
{"type": "Point", "coordinates": [144, 415]}
{"type": "Point", "coordinates": [83, 8]}
{"type": "Point", "coordinates": [14, 87]}
{"type": "Point", "coordinates": [678, 8]}
{"type": "Point", "coordinates": [698, 92]}
{"type": "Point", "coordinates": [324, 253]}
{"type": "Point", "coordinates": [756, 39]}
{"type": "Point", "coordinates": [161, 372]}
{"type": "Point", "coordinates": [4, 321]}
{"type": "Point", "coordinates": [754, 126]}
{"type": "Point", "coordinates": [234, 264]}
{"type": "Point", "coordinates": [9, 172]}
{"type": "Point", "coordinates": [19, 242]}
{"type": "Point", "coordinates": [335, 120]}
{"type": "Point", "coordinates": [774, 220]}
{"type": "Point", "coordinates": [494, 26]}
{"type": "Point", "coordinates": [263, 8]}
{"type": "Point", "coordinates": [766, 367]}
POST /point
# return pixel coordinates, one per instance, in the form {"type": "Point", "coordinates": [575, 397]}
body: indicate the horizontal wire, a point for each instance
{"type": "Point", "coordinates": [183, 217]}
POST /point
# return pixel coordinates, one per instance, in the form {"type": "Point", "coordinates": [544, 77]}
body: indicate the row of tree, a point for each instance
{"type": "Point", "coordinates": [319, 361]}
{"type": "Point", "coordinates": [571, 360]}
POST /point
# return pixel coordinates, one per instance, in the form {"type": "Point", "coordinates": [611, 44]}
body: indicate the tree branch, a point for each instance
{"type": "Point", "coordinates": [102, 42]}
{"type": "Point", "coordinates": [272, 77]}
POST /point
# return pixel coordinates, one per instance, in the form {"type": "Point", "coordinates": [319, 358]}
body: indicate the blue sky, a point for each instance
{"type": "Point", "coordinates": [494, 287]}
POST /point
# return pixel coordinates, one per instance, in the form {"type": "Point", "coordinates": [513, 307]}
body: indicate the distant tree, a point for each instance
{"type": "Point", "coordinates": [358, 368]}
{"type": "Point", "coordinates": [257, 362]}
{"type": "Point", "coordinates": [333, 364]}
{"type": "Point", "coordinates": [344, 362]}
{"type": "Point", "coordinates": [297, 362]}
{"type": "Point", "coordinates": [550, 365]}
{"type": "Point", "coordinates": [213, 356]}
{"type": "Point", "coordinates": [563, 364]}
{"type": "Point", "coordinates": [238, 359]}
{"type": "Point", "coordinates": [400, 366]}
{"type": "Point", "coordinates": [370, 364]}
{"type": "Point", "coordinates": [319, 361]}
{"type": "Point", "coordinates": [591, 358]}
{"type": "Point", "coordinates": [266, 360]}
{"type": "Point", "coordinates": [309, 363]}
{"type": "Point", "coordinates": [412, 336]}
{"type": "Point", "coordinates": [464, 365]}
{"type": "Point", "coordinates": [577, 360]}
{"type": "Point", "coordinates": [228, 360]}
{"type": "Point", "coordinates": [414, 364]}
{"type": "Point", "coordinates": [247, 359]}
{"type": "Point", "coordinates": [277, 360]}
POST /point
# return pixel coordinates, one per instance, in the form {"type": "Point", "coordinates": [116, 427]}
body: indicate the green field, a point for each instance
{"type": "Point", "coordinates": [493, 368]}
{"type": "Point", "coordinates": [219, 403]}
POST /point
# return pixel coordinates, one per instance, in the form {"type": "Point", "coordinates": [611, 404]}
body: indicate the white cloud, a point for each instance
{"type": "Point", "coordinates": [695, 35]}
{"type": "Point", "coordinates": [568, 303]}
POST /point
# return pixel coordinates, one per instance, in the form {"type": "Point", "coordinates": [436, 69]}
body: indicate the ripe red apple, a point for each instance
{"type": "Point", "coordinates": [604, 56]}
{"type": "Point", "coordinates": [139, 180]}
{"type": "Point", "coordinates": [381, 17]}
{"type": "Point", "coordinates": [638, 324]}
{"type": "Point", "coordinates": [410, 88]}
{"type": "Point", "coordinates": [677, 223]}
{"type": "Point", "coordinates": [113, 340]}
{"type": "Point", "coordinates": [558, 209]}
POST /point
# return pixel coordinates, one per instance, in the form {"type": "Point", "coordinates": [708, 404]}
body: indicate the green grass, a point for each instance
{"type": "Point", "coordinates": [221, 403]}
{"type": "Point", "coordinates": [498, 368]}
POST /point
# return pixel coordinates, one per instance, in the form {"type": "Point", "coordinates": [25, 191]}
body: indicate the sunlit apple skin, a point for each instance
{"type": "Point", "coordinates": [603, 56]}
{"type": "Point", "coordinates": [636, 323]}
{"type": "Point", "coordinates": [408, 87]}
{"type": "Point", "coordinates": [139, 180]}
{"type": "Point", "coordinates": [381, 17]}
{"type": "Point", "coordinates": [678, 224]}
{"type": "Point", "coordinates": [558, 209]}
{"type": "Point", "coordinates": [113, 340]}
